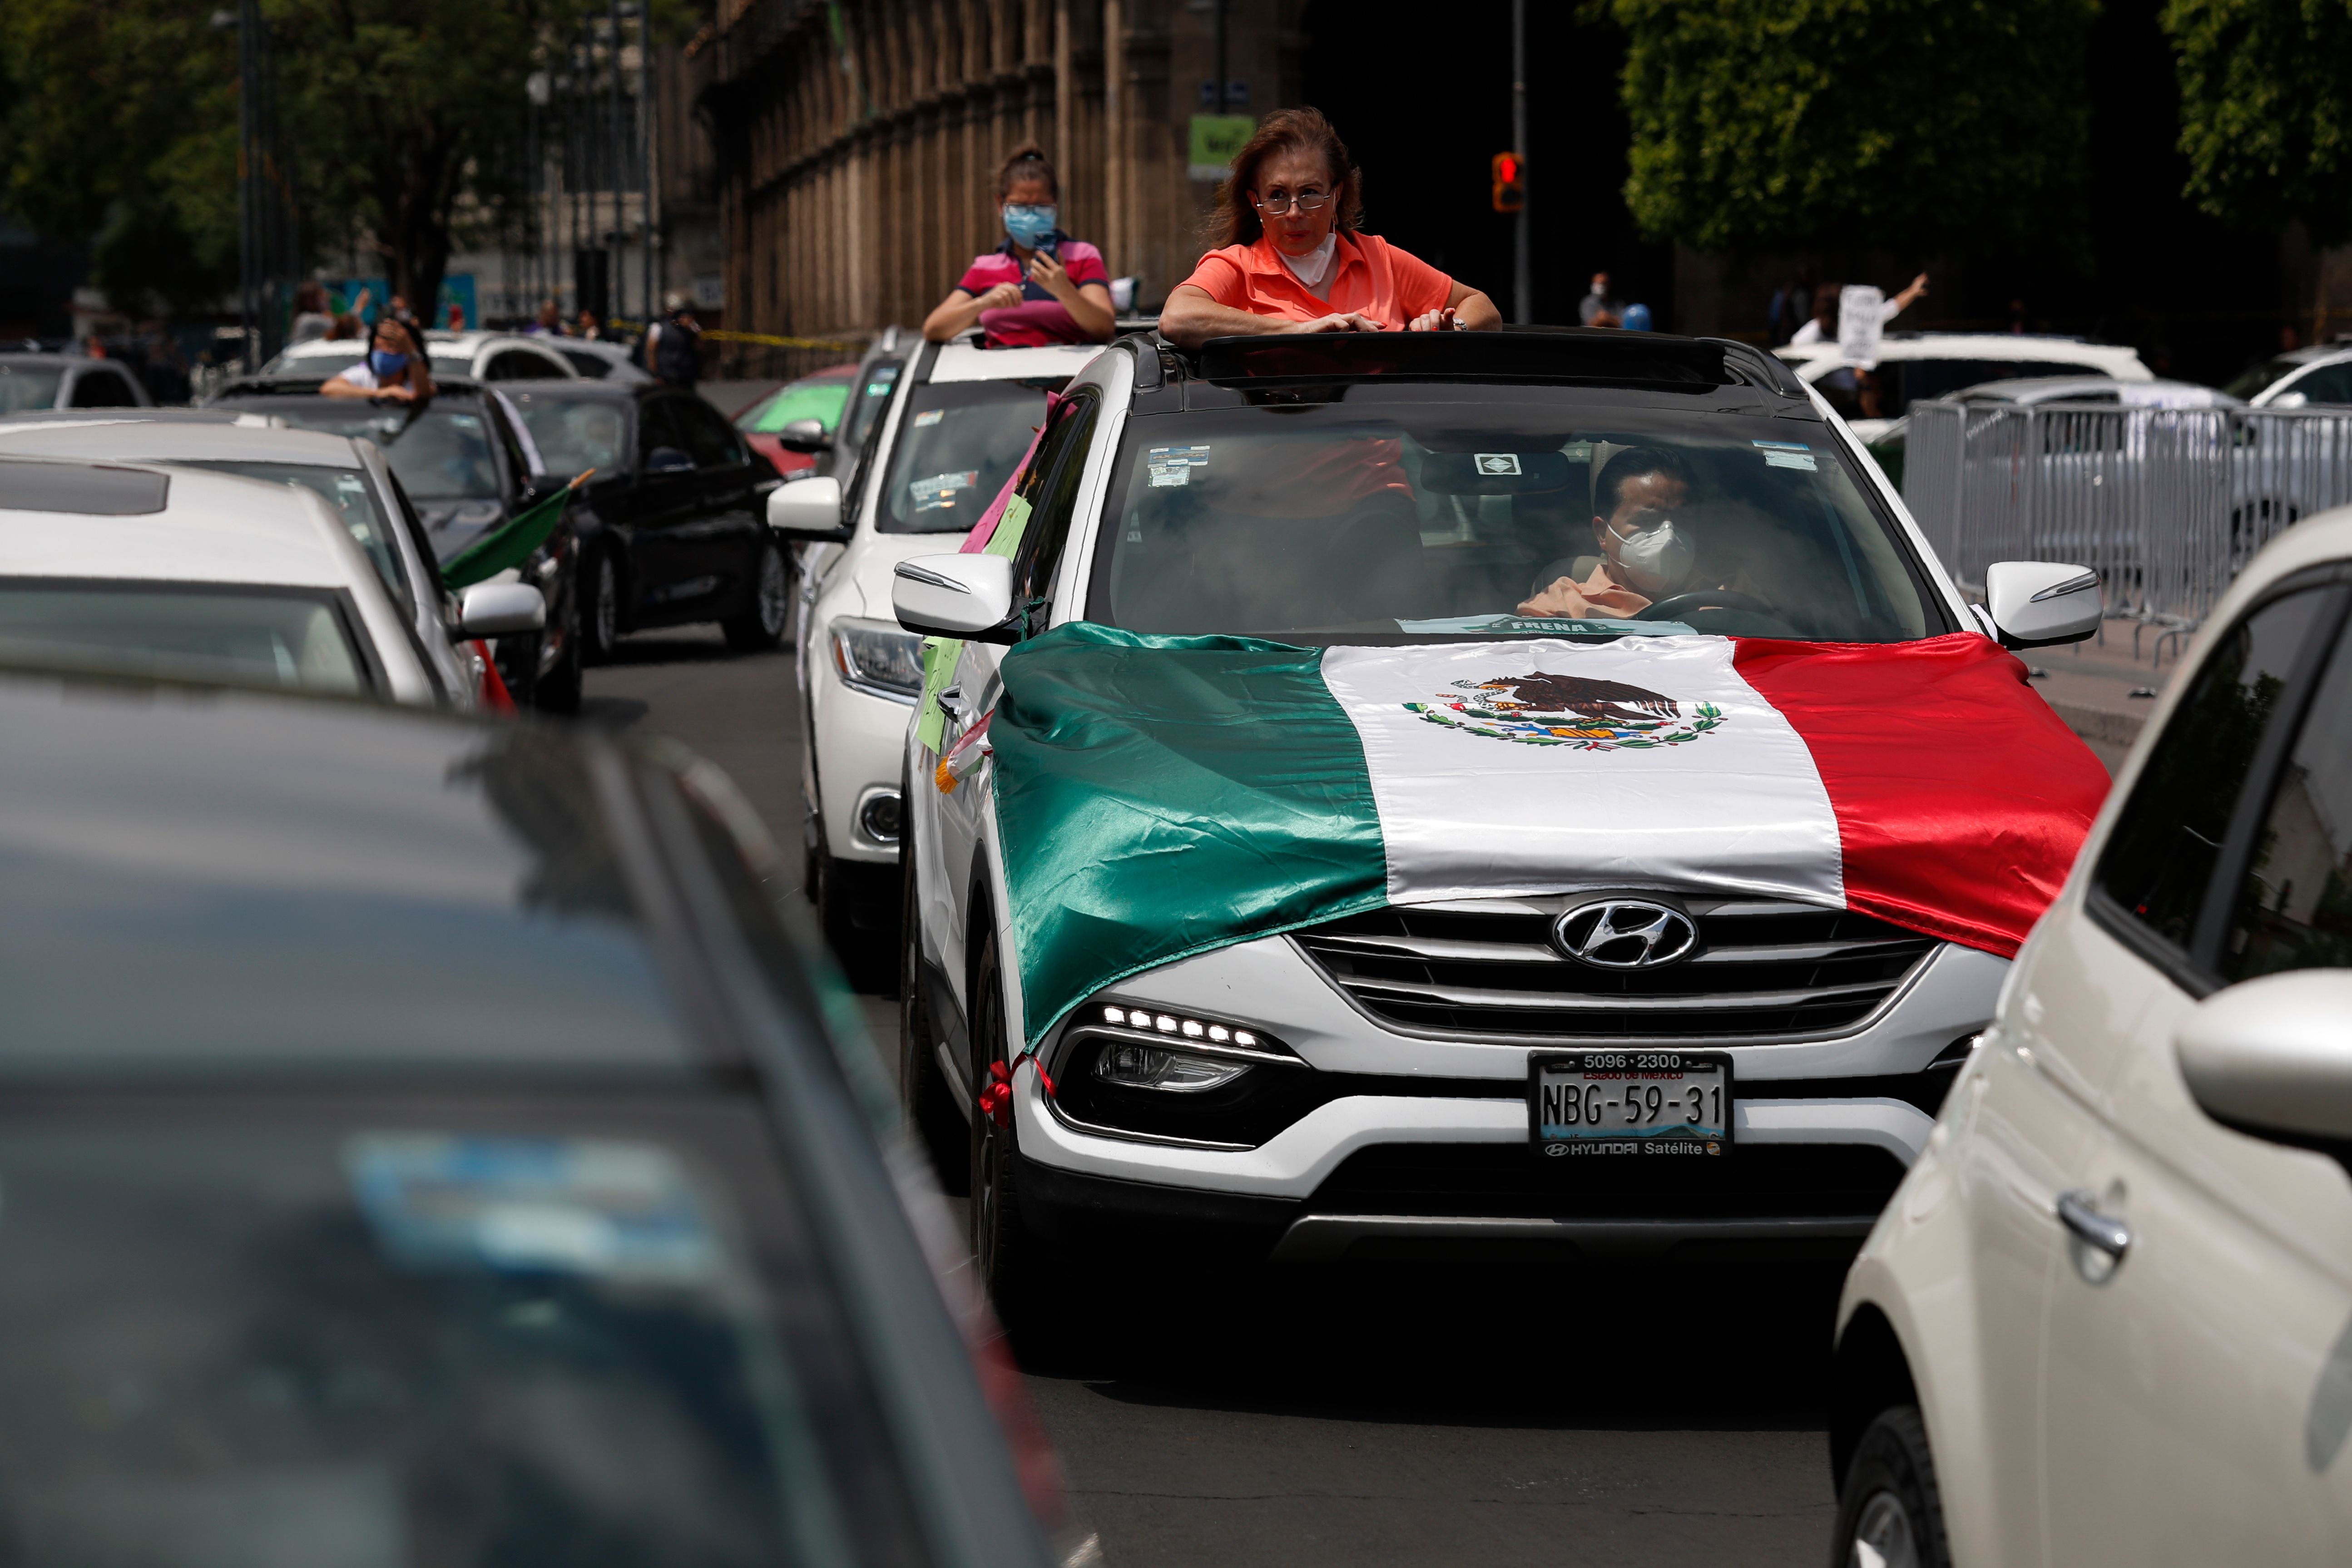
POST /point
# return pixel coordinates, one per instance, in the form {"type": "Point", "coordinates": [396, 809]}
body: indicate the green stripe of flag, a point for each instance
{"type": "Point", "coordinates": [508, 544]}
{"type": "Point", "coordinates": [1156, 795]}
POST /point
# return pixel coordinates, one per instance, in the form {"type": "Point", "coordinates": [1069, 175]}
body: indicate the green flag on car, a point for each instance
{"type": "Point", "coordinates": [510, 543]}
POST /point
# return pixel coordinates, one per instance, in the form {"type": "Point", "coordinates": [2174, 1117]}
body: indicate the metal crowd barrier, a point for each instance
{"type": "Point", "coordinates": [2166, 504]}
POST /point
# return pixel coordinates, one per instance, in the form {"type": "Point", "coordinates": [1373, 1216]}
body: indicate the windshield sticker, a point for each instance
{"type": "Point", "coordinates": [1174, 464]}
{"type": "Point", "coordinates": [600, 1207]}
{"type": "Point", "coordinates": [1497, 463]}
{"type": "Point", "coordinates": [939, 489]}
{"type": "Point", "coordinates": [1782, 446]}
{"type": "Point", "coordinates": [929, 417]}
{"type": "Point", "coordinates": [1803, 460]}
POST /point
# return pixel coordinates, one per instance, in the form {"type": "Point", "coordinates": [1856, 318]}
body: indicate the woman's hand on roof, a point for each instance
{"type": "Point", "coordinates": [1440, 319]}
{"type": "Point", "coordinates": [1344, 322]}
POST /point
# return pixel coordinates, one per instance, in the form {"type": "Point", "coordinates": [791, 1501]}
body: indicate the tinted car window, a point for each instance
{"type": "Point", "coordinates": [576, 434]}
{"type": "Point", "coordinates": [709, 436]}
{"type": "Point", "coordinates": [594, 366]}
{"type": "Point", "coordinates": [347, 491]}
{"type": "Point", "coordinates": [517, 364]}
{"type": "Point", "coordinates": [27, 386]}
{"type": "Point", "coordinates": [240, 637]}
{"type": "Point", "coordinates": [2159, 860]}
{"type": "Point", "coordinates": [1052, 491]}
{"type": "Point", "coordinates": [660, 435]}
{"type": "Point", "coordinates": [2330, 384]}
{"type": "Point", "coordinates": [957, 445]}
{"type": "Point", "coordinates": [2294, 905]}
{"type": "Point", "coordinates": [867, 407]}
{"type": "Point", "coordinates": [2260, 376]}
{"type": "Point", "coordinates": [441, 452]}
{"type": "Point", "coordinates": [102, 389]}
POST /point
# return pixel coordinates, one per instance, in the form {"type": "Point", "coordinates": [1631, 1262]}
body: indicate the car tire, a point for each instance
{"type": "Point", "coordinates": [762, 625]}
{"type": "Point", "coordinates": [600, 618]}
{"type": "Point", "coordinates": [1023, 1281]}
{"type": "Point", "coordinates": [559, 690]}
{"type": "Point", "coordinates": [1890, 1510]}
{"type": "Point", "coordinates": [924, 1088]}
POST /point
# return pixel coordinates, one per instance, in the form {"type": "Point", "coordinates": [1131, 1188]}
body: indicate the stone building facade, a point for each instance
{"type": "Point", "coordinates": [858, 141]}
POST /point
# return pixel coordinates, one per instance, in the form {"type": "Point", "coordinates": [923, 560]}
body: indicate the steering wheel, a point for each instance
{"type": "Point", "coordinates": [1666, 609]}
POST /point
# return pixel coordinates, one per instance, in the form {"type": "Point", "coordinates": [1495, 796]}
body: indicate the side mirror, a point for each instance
{"type": "Point", "coordinates": [966, 596]}
{"type": "Point", "coordinates": [668, 460]}
{"type": "Point", "coordinates": [809, 508]}
{"type": "Point", "coordinates": [498, 610]}
{"type": "Point", "coordinates": [2272, 1058]}
{"type": "Point", "coordinates": [803, 436]}
{"type": "Point", "coordinates": [2034, 603]}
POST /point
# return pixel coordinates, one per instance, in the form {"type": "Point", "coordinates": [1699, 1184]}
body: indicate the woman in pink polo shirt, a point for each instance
{"type": "Point", "coordinates": [1294, 259]}
{"type": "Point", "coordinates": [1040, 285]}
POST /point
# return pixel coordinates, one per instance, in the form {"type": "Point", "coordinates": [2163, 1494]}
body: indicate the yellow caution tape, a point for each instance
{"type": "Point", "coordinates": [764, 341]}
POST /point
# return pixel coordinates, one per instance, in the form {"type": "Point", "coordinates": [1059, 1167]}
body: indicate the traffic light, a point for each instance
{"type": "Point", "coordinates": [1510, 182]}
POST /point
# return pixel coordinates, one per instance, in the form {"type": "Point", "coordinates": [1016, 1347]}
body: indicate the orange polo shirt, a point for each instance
{"type": "Point", "coordinates": [1367, 275]}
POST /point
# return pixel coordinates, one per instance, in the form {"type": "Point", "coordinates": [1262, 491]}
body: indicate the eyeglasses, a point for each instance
{"type": "Point", "coordinates": [1306, 201]}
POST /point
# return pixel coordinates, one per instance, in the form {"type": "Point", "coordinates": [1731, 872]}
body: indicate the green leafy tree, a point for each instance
{"type": "Point", "coordinates": [1910, 125]}
{"type": "Point", "coordinates": [2266, 109]}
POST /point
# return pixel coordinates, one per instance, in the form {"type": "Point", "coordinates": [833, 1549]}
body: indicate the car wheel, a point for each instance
{"type": "Point", "coordinates": [1890, 1513]}
{"type": "Point", "coordinates": [600, 628]}
{"type": "Point", "coordinates": [558, 689]}
{"type": "Point", "coordinates": [1020, 1278]}
{"type": "Point", "coordinates": [763, 625]}
{"type": "Point", "coordinates": [924, 1089]}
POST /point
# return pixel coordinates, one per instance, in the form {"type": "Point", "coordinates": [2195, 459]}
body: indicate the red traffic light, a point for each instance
{"type": "Point", "coordinates": [1510, 173]}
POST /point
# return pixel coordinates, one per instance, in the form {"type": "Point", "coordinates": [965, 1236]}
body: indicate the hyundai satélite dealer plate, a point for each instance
{"type": "Point", "coordinates": [1636, 1103]}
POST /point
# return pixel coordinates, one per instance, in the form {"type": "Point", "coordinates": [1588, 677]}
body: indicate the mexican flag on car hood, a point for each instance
{"type": "Point", "coordinates": [1159, 797]}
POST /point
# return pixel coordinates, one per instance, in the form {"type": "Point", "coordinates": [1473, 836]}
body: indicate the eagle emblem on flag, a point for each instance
{"type": "Point", "coordinates": [1540, 709]}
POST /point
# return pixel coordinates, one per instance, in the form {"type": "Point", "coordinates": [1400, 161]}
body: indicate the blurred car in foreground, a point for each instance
{"type": "Point", "coordinates": [465, 461]}
{"type": "Point", "coordinates": [153, 569]}
{"type": "Point", "coordinates": [67, 381]}
{"type": "Point", "coordinates": [350, 476]}
{"type": "Point", "coordinates": [428, 1144]}
{"type": "Point", "coordinates": [2103, 1317]}
{"type": "Point", "coordinates": [670, 529]}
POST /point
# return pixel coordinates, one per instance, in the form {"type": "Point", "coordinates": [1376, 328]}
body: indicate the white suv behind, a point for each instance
{"type": "Point", "coordinates": [2107, 1318]}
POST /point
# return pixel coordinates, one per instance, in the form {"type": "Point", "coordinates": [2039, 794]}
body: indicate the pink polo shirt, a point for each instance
{"type": "Point", "coordinates": [1039, 319]}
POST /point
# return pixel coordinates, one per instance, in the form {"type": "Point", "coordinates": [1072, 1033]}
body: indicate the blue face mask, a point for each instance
{"type": "Point", "coordinates": [385, 364]}
{"type": "Point", "coordinates": [1031, 226]}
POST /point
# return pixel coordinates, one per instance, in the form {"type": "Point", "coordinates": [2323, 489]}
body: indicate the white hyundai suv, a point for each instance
{"type": "Point", "coordinates": [960, 421]}
{"type": "Point", "coordinates": [2105, 1320]}
{"type": "Point", "coordinates": [1279, 892]}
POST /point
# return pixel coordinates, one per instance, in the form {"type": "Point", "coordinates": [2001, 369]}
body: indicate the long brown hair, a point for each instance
{"type": "Point", "coordinates": [1236, 221]}
{"type": "Point", "coordinates": [1027, 162]}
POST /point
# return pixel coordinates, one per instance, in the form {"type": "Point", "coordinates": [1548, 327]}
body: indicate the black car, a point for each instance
{"type": "Point", "coordinates": [466, 464]}
{"type": "Point", "coordinates": [428, 1144]}
{"type": "Point", "coordinates": [673, 529]}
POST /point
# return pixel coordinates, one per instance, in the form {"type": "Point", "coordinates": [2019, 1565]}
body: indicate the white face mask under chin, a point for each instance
{"type": "Point", "coordinates": [1315, 265]}
{"type": "Point", "coordinates": [1662, 554]}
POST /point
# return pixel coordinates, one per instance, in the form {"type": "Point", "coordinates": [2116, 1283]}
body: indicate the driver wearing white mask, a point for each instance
{"type": "Point", "coordinates": [1646, 554]}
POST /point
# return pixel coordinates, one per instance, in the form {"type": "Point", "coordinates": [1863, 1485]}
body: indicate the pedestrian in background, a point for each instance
{"type": "Point", "coordinates": [1599, 308]}
{"type": "Point", "coordinates": [588, 327]}
{"type": "Point", "coordinates": [1040, 285]}
{"type": "Point", "coordinates": [674, 344]}
{"type": "Point", "coordinates": [397, 309]}
{"type": "Point", "coordinates": [1792, 305]}
{"type": "Point", "coordinates": [550, 323]}
{"type": "Point", "coordinates": [311, 318]}
{"type": "Point", "coordinates": [1296, 257]}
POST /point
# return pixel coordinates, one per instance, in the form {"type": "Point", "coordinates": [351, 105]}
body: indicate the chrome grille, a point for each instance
{"type": "Point", "coordinates": [1764, 968]}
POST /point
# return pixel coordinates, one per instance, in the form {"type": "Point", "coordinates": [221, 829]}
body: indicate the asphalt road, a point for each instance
{"type": "Point", "coordinates": [1375, 1424]}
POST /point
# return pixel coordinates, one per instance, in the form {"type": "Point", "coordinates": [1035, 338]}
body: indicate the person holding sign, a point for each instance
{"type": "Point", "coordinates": [1294, 257]}
{"type": "Point", "coordinates": [1823, 327]}
{"type": "Point", "coordinates": [1040, 285]}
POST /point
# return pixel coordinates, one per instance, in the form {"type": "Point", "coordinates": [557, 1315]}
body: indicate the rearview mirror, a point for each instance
{"type": "Point", "coordinates": [808, 508]}
{"type": "Point", "coordinates": [2272, 1058]}
{"type": "Point", "coordinates": [967, 596]}
{"type": "Point", "coordinates": [2036, 603]}
{"type": "Point", "coordinates": [803, 436]}
{"type": "Point", "coordinates": [498, 610]}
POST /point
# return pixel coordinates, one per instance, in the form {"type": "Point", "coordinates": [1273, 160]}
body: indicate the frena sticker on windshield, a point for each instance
{"type": "Point", "coordinates": [1174, 464]}
{"type": "Point", "coordinates": [1497, 462]}
{"type": "Point", "coordinates": [939, 489]}
{"type": "Point", "coordinates": [1788, 455]}
{"type": "Point", "coordinates": [928, 416]}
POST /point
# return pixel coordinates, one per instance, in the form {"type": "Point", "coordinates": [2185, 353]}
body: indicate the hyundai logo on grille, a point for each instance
{"type": "Point", "coordinates": [1624, 933]}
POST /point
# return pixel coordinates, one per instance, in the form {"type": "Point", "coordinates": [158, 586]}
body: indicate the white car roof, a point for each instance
{"type": "Point", "coordinates": [1815, 360]}
{"type": "Point", "coordinates": [158, 442]}
{"type": "Point", "coordinates": [214, 528]}
{"type": "Point", "coordinates": [959, 361]}
{"type": "Point", "coordinates": [315, 346]}
{"type": "Point", "coordinates": [2137, 393]}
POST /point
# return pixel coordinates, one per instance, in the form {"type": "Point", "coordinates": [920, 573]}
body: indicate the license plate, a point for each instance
{"type": "Point", "coordinates": [1596, 1103]}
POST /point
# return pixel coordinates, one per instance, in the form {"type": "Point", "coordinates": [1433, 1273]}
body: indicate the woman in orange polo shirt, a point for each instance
{"type": "Point", "coordinates": [1294, 260]}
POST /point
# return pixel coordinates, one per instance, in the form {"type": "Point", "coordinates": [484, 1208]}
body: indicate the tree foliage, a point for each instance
{"type": "Point", "coordinates": [2266, 109]}
{"type": "Point", "coordinates": [1910, 125]}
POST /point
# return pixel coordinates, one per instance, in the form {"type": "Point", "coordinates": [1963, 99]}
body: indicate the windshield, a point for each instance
{"type": "Point", "coordinates": [576, 434]}
{"type": "Point", "coordinates": [1479, 519]}
{"type": "Point", "coordinates": [440, 454]}
{"type": "Point", "coordinates": [957, 447]}
{"type": "Point", "coordinates": [234, 636]}
{"type": "Point", "coordinates": [2263, 377]}
{"type": "Point", "coordinates": [347, 491]}
{"type": "Point", "coordinates": [424, 1336]}
{"type": "Point", "coordinates": [321, 366]}
{"type": "Point", "coordinates": [820, 397]}
{"type": "Point", "coordinates": [24, 386]}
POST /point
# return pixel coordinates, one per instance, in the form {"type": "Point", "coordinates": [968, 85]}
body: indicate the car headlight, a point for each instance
{"type": "Point", "coordinates": [878, 657]}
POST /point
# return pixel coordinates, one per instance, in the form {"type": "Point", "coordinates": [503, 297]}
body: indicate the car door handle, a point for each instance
{"type": "Point", "coordinates": [951, 703]}
{"type": "Point", "coordinates": [2078, 1212]}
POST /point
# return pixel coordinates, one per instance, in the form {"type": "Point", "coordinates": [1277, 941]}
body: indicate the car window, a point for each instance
{"type": "Point", "coordinates": [1401, 510]}
{"type": "Point", "coordinates": [439, 1327]}
{"type": "Point", "coordinates": [864, 410]}
{"type": "Point", "coordinates": [519, 365]}
{"type": "Point", "coordinates": [319, 366]}
{"type": "Point", "coordinates": [24, 387]}
{"type": "Point", "coordinates": [2159, 859]}
{"type": "Point", "coordinates": [2330, 384]}
{"type": "Point", "coordinates": [102, 389]}
{"type": "Point", "coordinates": [709, 436]}
{"type": "Point", "coordinates": [594, 366]}
{"type": "Point", "coordinates": [658, 433]}
{"type": "Point", "coordinates": [957, 445]}
{"type": "Point", "coordinates": [2259, 378]}
{"type": "Point", "coordinates": [576, 434]}
{"type": "Point", "coordinates": [234, 636]}
{"type": "Point", "coordinates": [348, 493]}
{"type": "Point", "coordinates": [441, 452]}
{"type": "Point", "coordinates": [2293, 905]}
{"type": "Point", "coordinates": [1052, 491]}
{"type": "Point", "coordinates": [821, 398]}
